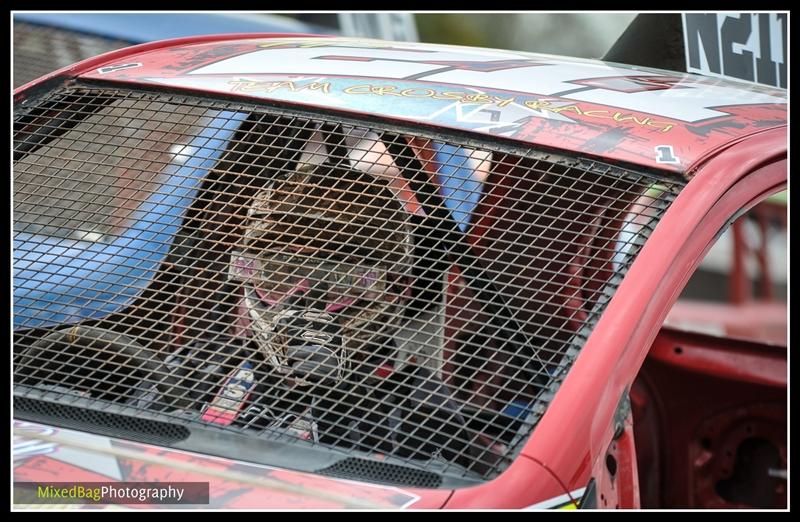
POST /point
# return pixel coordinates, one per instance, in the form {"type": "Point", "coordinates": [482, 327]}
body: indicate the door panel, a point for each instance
{"type": "Point", "coordinates": [710, 423]}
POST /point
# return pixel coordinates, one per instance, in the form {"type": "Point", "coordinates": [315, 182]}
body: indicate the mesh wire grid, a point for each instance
{"type": "Point", "coordinates": [372, 289]}
{"type": "Point", "coordinates": [40, 49]}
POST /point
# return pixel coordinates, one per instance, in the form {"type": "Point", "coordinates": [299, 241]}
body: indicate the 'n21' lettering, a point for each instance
{"type": "Point", "coordinates": [746, 46]}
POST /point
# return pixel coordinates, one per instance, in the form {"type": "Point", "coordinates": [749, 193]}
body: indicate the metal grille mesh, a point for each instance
{"type": "Point", "coordinates": [380, 291]}
{"type": "Point", "coordinates": [70, 416]}
{"type": "Point", "coordinates": [39, 49]}
{"type": "Point", "coordinates": [361, 469]}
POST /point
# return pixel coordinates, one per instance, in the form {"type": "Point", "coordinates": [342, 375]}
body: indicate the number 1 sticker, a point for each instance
{"type": "Point", "coordinates": [665, 154]}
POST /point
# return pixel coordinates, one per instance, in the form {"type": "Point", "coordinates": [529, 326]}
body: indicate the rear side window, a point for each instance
{"type": "Point", "coordinates": [399, 298]}
{"type": "Point", "coordinates": [749, 261]}
{"type": "Point", "coordinates": [86, 182]}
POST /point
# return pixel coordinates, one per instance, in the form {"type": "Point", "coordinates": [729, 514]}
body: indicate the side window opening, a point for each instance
{"type": "Point", "coordinates": [745, 270]}
{"type": "Point", "coordinates": [710, 401]}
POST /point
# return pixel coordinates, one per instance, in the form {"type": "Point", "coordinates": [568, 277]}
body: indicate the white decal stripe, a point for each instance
{"type": "Point", "coordinates": [547, 79]}
{"type": "Point", "coordinates": [692, 103]}
{"type": "Point", "coordinates": [557, 501]}
{"type": "Point", "coordinates": [689, 102]}
{"type": "Point", "coordinates": [388, 64]}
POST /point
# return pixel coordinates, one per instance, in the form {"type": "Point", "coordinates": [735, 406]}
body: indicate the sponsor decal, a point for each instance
{"type": "Point", "coordinates": [632, 84]}
{"type": "Point", "coordinates": [424, 92]}
{"type": "Point", "coordinates": [571, 500]}
{"type": "Point", "coordinates": [606, 114]}
{"type": "Point", "coordinates": [678, 98]}
{"type": "Point", "coordinates": [584, 106]}
{"type": "Point", "coordinates": [26, 448]}
{"type": "Point", "coordinates": [665, 154]}
{"type": "Point", "coordinates": [95, 462]}
{"type": "Point", "coordinates": [225, 406]}
{"type": "Point", "coordinates": [443, 66]}
{"type": "Point", "coordinates": [243, 85]}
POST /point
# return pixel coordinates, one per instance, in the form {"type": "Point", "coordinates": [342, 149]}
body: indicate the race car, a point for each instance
{"type": "Point", "coordinates": [322, 271]}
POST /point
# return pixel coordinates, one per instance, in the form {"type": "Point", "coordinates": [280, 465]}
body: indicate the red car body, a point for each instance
{"type": "Point", "coordinates": [727, 139]}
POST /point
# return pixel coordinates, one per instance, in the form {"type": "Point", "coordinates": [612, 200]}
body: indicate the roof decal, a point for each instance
{"type": "Point", "coordinates": [616, 112]}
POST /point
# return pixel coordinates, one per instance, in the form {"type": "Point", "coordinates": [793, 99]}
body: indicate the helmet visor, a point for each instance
{"type": "Point", "coordinates": [328, 284]}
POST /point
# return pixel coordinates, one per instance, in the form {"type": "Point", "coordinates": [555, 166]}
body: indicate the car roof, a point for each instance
{"type": "Point", "coordinates": [646, 117]}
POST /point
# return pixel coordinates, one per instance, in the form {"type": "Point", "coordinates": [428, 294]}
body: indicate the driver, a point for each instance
{"type": "Point", "coordinates": [323, 276]}
{"type": "Point", "coordinates": [324, 267]}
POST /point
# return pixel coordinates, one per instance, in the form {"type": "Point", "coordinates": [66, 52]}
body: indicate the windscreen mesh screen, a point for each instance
{"type": "Point", "coordinates": [380, 291]}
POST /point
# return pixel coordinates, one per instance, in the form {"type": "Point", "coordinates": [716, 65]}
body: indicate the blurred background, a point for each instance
{"type": "Point", "coordinates": [585, 35]}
